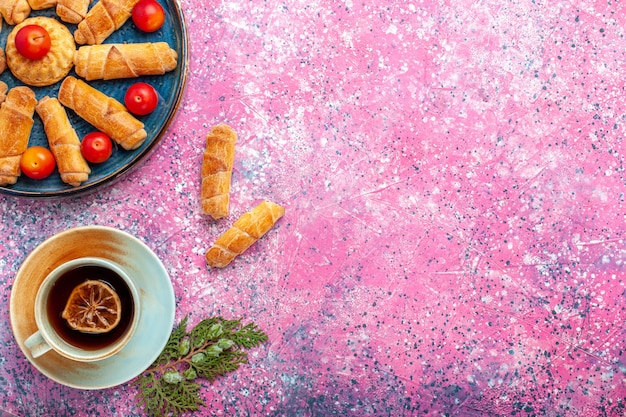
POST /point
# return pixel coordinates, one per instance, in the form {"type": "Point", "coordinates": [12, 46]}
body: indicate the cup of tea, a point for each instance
{"type": "Point", "coordinates": [86, 310]}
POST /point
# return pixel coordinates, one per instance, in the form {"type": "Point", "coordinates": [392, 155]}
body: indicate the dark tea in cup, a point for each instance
{"type": "Point", "coordinates": [86, 309]}
{"type": "Point", "coordinates": [60, 293]}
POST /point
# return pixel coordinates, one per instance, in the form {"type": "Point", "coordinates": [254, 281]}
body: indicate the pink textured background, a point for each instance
{"type": "Point", "coordinates": [453, 175]}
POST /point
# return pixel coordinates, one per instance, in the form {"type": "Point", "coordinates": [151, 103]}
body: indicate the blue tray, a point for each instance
{"type": "Point", "coordinates": [169, 87]}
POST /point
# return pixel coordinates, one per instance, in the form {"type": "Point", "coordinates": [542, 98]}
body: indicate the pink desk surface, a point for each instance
{"type": "Point", "coordinates": [454, 184]}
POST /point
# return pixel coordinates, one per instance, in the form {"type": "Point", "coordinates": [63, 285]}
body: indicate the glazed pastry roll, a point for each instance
{"type": "Point", "coordinates": [126, 60]}
{"type": "Point", "coordinates": [63, 142]}
{"type": "Point", "coordinates": [14, 11]}
{"type": "Point", "coordinates": [3, 59]}
{"type": "Point", "coordinates": [41, 4]}
{"type": "Point", "coordinates": [70, 11]}
{"type": "Point", "coordinates": [217, 168]}
{"type": "Point", "coordinates": [104, 18]}
{"type": "Point", "coordinates": [103, 112]}
{"type": "Point", "coordinates": [3, 91]}
{"type": "Point", "coordinates": [244, 232]}
{"type": "Point", "coordinates": [16, 122]}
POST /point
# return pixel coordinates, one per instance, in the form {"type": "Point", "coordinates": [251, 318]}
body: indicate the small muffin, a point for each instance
{"type": "Point", "coordinates": [51, 68]}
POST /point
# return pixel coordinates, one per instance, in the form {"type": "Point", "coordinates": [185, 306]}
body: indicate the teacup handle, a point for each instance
{"type": "Point", "coordinates": [37, 344]}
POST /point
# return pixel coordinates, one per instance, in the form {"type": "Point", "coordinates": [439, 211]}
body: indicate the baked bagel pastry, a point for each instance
{"type": "Point", "coordinates": [124, 60]}
{"type": "Point", "coordinates": [70, 11]}
{"type": "Point", "coordinates": [63, 142]}
{"type": "Point", "coordinates": [103, 112]}
{"type": "Point", "coordinates": [41, 4]}
{"type": "Point", "coordinates": [16, 122]}
{"type": "Point", "coordinates": [14, 11]}
{"type": "Point", "coordinates": [249, 228]}
{"type": "Point", "coordinates": [104, 18]}
{"type": "Point", "coordinates": [4, 88]}
{"type": "Point", "coordinates": [217, 168]}
{"type": "Point", "coordinates": [3, 61]}
{"type": "Point", "coordinates": [55, 65]}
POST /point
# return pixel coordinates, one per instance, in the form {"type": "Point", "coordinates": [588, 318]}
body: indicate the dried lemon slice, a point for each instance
{"type": "Point", "coordinates": [93, 307]}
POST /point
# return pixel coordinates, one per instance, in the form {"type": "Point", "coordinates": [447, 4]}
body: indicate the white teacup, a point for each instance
{"type": "Point", "coordinates": [55, 334]}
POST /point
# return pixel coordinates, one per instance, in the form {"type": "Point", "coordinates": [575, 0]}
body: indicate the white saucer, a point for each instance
{"type": "Point", "coordinates": [152, 282]}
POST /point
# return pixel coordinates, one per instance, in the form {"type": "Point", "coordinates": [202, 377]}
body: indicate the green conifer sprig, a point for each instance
{"type": "Point", "coordinates": [213, 348]}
